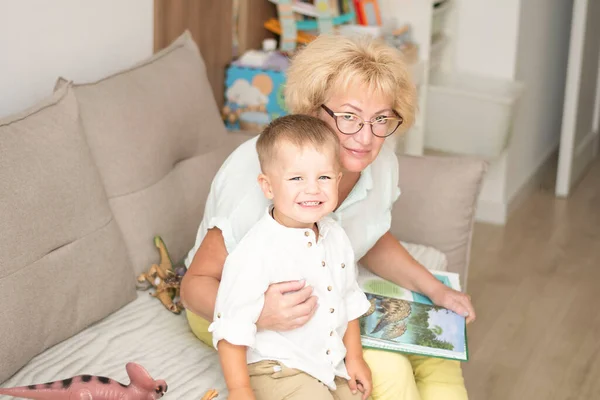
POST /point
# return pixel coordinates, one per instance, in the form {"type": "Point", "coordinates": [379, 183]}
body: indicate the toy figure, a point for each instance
{"type": "Point", "coordinates": [88, 387]}
{"type": "Point", "coordinates": [210, 395]}
{"type": "Point", "coordinates": [164, 279]}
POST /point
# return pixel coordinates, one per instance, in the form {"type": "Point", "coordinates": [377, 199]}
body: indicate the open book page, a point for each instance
{"type": "Point", "coordinates": [371, 283]}
{"type": "Point", "coordinates": [403, 321]}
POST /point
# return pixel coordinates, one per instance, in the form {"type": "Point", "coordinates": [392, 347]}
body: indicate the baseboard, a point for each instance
{"type": "Point", "coordinates": [584, 154]}
{"type": "Point", "coordinates": [580, 160]}
{"type": "Point", "coordinates": [535, 180]}
{"type": "Point", "coordinates": [497, 212]}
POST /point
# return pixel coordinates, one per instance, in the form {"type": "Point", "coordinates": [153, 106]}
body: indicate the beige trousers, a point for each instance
{"type": "Point", "coordinates": [271, 380]}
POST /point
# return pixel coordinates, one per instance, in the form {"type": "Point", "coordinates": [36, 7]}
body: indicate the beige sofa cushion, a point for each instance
{"type": "Point", "coordinates": [157, 137]}
{"type": "Point", "coordinates": [63, 263]}
{"type": "Point", "coordinates": [437, 205]}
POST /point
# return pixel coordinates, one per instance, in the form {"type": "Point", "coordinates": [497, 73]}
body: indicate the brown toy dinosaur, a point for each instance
{"type": "Point", "coordinates": [88, 387]}
{"type": "Point", "coordinates": [164, 279]}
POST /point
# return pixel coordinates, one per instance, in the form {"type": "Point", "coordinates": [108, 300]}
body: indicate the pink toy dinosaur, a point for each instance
{"type": "Point", "coordinates": [87, 387]}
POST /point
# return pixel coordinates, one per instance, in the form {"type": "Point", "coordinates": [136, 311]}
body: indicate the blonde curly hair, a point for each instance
{"type": "Point", "coordinates": [339, 61]}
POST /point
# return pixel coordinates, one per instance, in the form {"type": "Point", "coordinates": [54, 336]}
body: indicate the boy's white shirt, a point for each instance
{"type": "Point", "coordinates": [271, 253]}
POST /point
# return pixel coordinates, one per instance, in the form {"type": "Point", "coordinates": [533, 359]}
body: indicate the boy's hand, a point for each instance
{"type": "Point", "coordinates": [455, 301]}
{"type": "Point", "coordinates": [360, 376]}
{"type": "Point", "coordinates": [242, 393]}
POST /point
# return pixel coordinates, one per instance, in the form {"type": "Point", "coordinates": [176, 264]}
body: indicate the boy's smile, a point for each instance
{"type": "Point", "coordinates": [303, 184]}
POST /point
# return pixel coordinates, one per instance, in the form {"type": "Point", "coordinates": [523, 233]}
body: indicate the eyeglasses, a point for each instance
{"type": "Point", "coordinates": [381, 126]}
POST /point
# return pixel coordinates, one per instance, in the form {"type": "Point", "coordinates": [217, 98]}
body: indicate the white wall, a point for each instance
{"type": "Point", "coordinates": [81, 40]}
{"type": "Point", "coordinates": [485, 43]}
{"type": "Point", "coordinates": [579, 135]}
{"type": "Point", "coordinates": [418, 14]}
{"type": "Point", "coordinates": [485, 36]}
{"type": "Point", "coordinates": [527, 41]}
{"type": "Point", "coordinates": [542, 55]}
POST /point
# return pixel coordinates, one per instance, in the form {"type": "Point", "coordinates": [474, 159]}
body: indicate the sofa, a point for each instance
{"type": "Point", "coordinates": [92, 173]}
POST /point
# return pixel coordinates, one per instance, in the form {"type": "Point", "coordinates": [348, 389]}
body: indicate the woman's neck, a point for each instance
{"type": "Point", "coordinates": [347, 183]}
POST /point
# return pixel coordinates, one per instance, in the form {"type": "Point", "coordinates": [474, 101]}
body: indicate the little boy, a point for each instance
{"type": "Point", "coordinates": [294, 240]}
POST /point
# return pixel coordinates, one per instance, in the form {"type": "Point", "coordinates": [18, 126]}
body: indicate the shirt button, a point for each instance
{"type": "Point", "coordinates": [343, 265]}
{"type": "Point", "coordinates": [323, 263]}
{"type": "Point", "coordinates": [331, 310]}
{"type": "Point", "coordinates": [218, 315]}
{"type": "Point", "coordinates": [328, 352]}
{"type": "Point", "coordinates": [309, 244]}
{"type": "Point", "coordinates": [306, 233]}
{"type": "Point", "coordinates": [329, 288]}
{"type": "Point", "coordinates": [331, 333]}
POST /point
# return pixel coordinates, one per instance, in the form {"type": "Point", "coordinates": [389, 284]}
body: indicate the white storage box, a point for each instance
{"type": "Point", "coordinates": [469, 114]}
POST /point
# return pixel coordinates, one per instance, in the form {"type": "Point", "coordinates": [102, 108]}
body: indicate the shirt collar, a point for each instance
{"type": "Point", "coordinates": [324, 225]}
{"type": "Point", "coordinates": [360, 190]}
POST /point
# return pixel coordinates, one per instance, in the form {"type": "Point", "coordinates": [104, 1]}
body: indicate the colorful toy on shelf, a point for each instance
{"type": "Point", "coordinates": [254, 88]}
{"type": "Point", "coordinates": [273, 25]}
{"type": "Point", "coordinates": [287, 22]}
{"type": "Point", "coordinates": [324, 16]}
{"type": "Point", "coordinates": [88, 387]}
{"type": "Point", "coordinates": [165, 279]}
{"type": "Point", "coordinates": [367, 12]}
{"type": "Point", "coordinates": [253, 98]}
{"type": "Point", "coordinates": [300, 22]}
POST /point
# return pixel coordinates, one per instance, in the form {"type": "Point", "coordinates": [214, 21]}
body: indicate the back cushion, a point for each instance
{"type": "Point", "coordinates": [438, 204]}
{"type": "Point", "coordinates": [63, 263]}
{"type": "Point", "coordinates": [157, 137]}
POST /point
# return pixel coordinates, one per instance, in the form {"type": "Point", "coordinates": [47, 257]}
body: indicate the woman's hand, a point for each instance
{"type": "Point", "coordinates": [360, 376]}
{"type": "Point", "coordinates": [242, 393]}
{"type": "Point", "coordinates": [284, 310]}
{"type": "Point", "coordinates": [453, 300]}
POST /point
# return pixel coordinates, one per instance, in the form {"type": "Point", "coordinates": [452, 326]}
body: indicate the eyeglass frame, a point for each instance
{"type": "Point", "coordinates": [335, 115]}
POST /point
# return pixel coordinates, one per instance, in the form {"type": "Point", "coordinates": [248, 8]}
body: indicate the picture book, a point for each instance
{"type": "Point", "coordinates": [407, 322]}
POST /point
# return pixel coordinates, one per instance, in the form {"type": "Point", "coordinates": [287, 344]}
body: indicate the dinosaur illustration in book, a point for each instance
{"type": "Point", "coordinates": [394, 310]}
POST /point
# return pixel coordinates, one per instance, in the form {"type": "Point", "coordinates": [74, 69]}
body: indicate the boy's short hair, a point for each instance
{"type": "Point", "coordinates": [299, 130]}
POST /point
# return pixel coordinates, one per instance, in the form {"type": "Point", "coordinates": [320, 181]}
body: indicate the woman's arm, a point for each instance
{"type": "Point", "coordinates": [390, 260]}
{"type": "Point", "coordinates": [201, 283]}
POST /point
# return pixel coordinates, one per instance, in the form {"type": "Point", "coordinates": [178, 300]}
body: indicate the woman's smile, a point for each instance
{"type": "Point", "coordinates": [358, 153]}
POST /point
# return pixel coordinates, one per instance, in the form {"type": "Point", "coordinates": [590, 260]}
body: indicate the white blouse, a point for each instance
{"type": "Point", "coordinates": [271, 253]}
{"type": "Point", "coordinates": [235, 202]}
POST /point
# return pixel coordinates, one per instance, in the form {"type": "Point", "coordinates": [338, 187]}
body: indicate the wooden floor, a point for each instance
{"type": "Point", "coordinates": [535, 284]}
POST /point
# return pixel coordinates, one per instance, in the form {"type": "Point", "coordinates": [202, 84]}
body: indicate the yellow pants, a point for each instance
{"type": "Point", "coordinates": [395, 376]}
